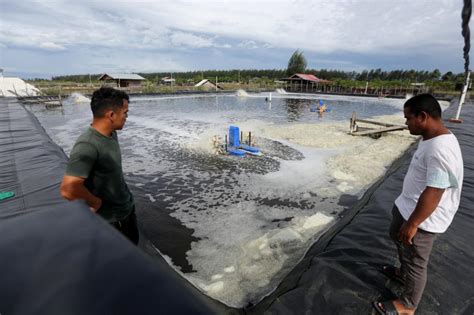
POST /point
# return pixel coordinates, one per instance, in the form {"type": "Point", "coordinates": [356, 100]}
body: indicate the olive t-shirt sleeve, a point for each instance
{"type": "Point", "coordinates": [81, 160]}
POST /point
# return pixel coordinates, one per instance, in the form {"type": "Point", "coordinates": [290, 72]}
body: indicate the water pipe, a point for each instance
{"type": "Point", "coordinates": [462, 99]}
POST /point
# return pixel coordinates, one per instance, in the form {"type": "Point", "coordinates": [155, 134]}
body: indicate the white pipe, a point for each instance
{"type": "Point", "coordinates": [463, 95]}
{"type": "Point", "coordinates": [270, 98]}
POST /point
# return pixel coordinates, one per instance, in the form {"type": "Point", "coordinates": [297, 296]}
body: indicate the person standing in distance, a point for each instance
{"type": "Point", "coordinates": [94, 171]}
{"type": "Point", "coordinates": [429, 200]}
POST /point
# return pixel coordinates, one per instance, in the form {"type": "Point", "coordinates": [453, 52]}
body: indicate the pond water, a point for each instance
{"type": "Point", "coordinates": [234, 226]}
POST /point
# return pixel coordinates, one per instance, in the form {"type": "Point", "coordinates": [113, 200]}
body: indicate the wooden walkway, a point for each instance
{"type": "Point", "coordinates": [376, 133]}
{"type": "Point", "coordinates": [49, 101]}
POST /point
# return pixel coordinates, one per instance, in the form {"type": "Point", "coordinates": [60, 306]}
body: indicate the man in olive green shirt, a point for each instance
{"type": "Point", "coordinates": [94, 172]}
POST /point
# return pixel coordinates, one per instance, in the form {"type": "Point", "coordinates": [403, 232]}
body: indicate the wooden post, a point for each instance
{"type": "Point", "coordinates": [352, 126]}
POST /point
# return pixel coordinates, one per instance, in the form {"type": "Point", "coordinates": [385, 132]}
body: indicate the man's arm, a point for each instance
{"type": "Point", "coordinates": [427, 203]}
{"type": "Point", "coordinates": [73, 188]}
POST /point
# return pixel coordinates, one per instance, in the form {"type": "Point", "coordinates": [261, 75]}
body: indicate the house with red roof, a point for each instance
{"type": "Point", "coordinates": [301, 82]}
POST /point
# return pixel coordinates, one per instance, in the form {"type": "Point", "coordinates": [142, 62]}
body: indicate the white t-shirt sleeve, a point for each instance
{"type": "Point", "coordinates": [439, 174]}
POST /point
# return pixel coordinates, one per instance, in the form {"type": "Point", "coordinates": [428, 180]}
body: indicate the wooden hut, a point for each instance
{"type": "Point", "coordinates": [167, 81]}
{"type": "Point", "coordinates": [123, 80]}
{"type": "Point", "coordinates": [300, 82]}
{"type": "Point", "coordinates": [208, 85]}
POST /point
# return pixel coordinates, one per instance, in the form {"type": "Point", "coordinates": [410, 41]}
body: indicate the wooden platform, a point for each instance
{"type": "Point", "coordinates": [49, 101]}
{"type": "Point", "coordinates": [376, 133]}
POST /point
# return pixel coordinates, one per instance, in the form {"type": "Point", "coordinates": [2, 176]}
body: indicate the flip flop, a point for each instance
{"type": "Point", "coordinates": [6, 194]}
{"type": "Point", "coordinates": [387, 308]}
{"type": "Point", "coordinates": [391, 272]}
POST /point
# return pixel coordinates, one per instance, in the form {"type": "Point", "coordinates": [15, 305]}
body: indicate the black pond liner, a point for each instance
{"type": "Point", "coordinates": [59, 258]}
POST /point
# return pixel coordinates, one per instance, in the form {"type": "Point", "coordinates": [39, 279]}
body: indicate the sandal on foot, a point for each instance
{"type": "Point", "coordinates": [387, 308]}
{"type": "Point", "coordinates": [393, 273]}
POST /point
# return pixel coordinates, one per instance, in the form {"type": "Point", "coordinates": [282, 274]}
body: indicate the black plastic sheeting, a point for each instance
{"type": "Point", "coordinates": [340, 273]}
{"type": "Point", "coordinates": [466, 33]}
{"type": "Point", "coordinates": [56, 257]}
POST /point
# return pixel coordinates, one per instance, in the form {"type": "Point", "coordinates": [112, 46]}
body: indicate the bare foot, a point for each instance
{"type": "Point", "coordinates": [401, 309]}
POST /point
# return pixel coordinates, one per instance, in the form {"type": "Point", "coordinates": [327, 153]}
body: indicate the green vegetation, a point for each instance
{"type": "Point", "coordinates": [252, 79]}
{"type": "Point", "coordinates": [296, 64]}
{"type": "Point", "coordinates": [252, 75]}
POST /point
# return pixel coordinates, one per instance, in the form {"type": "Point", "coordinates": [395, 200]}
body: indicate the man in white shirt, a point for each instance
{"type": "Point", "coordinates": [428, 202]}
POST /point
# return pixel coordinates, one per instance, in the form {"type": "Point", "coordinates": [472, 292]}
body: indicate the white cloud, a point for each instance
{"type": "Point", "coordinates": [326, 27]}
{"type": "Point", "coordinates": [191, 40]}
{"type": "Point", "coordinates": [248, 44]}
{"type": "Point", "coordinates": [51, 46]}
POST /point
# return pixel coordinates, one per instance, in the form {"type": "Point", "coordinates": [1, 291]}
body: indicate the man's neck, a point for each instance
{"type": "Point", "coordinates": [102, 127]}
{"type": "Point", "coordinates": [437, 129]}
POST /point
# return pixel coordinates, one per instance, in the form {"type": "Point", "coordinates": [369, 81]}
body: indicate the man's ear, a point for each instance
{"type": "Point", "coordinates": [423, 116]}
{"type": "Point", "coordinates": [109, 114]}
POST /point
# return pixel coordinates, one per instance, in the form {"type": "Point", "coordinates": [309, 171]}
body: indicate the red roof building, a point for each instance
{"type": "Point", "coordinates": [300, 82]}
{"type": "Point", "coordinates": [307, 77]}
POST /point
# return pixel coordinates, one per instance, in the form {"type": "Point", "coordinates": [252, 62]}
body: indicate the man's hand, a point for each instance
{"type": "Point", "coordinates": [407, 232]}
{"type": "Point", "coordinates": [95, 205]}
{"type": "Point", "coordinates": [73, 188]}
{"type": "Point", "coordinates": [426, 205]}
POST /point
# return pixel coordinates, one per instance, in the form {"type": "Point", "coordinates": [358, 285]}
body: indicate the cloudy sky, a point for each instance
{"type": "Point", "coordinates": [47, 38]}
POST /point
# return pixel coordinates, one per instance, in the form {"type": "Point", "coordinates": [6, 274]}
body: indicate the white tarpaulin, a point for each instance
{"type": "Point", "coordinates": [12, 87]}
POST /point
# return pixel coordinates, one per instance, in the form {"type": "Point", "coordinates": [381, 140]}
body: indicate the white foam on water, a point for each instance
{"type": "Point", "coordinates": [361, 160]}
{"type": "Point", "coordinates": [281, 91]}
{"type": "Point", "coordinates": [246, 246]}
{"type": "Point", "coordinates": [76, 98]}
{"type": "Point", "coordinates": [150, 197]}
{"type": "Point", "coordinates": [241, 93]}
{"type": "Point", "coordinates": [294, 178]}
{"type": "Point", "coordinates": [256, 261]}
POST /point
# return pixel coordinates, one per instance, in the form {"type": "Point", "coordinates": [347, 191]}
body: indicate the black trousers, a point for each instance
{"type": "Point", "coordinates": [128, 227]}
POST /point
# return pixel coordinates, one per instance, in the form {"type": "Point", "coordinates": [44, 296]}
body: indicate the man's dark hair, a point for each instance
{"type": "Point", "coordinates": [424, 103]}
{"type": "Point", "coordinates": [105, 99]}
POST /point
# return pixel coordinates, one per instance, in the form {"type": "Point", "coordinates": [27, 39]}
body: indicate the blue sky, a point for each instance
{"type": "Point", "coordinates": [49, 38]}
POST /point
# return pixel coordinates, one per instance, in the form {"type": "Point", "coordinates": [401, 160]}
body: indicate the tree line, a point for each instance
{"type": "Point", "coordinates": [250, 75]}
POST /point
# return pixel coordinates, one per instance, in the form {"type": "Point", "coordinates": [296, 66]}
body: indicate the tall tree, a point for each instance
{"type": "Point", "coordinates": [448, 76]}
{"type": "Point", "coordinates": [296, 64]}
{"type": "Point", "coordinates": [435, 75]}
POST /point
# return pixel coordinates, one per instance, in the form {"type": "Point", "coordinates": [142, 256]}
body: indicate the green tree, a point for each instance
{"type": "Point", "coordinates": [435, 75]}
{"type": "Point", "coordinates": [448, 76]}
{"type": "Point", "coordinates": [296, 64]}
